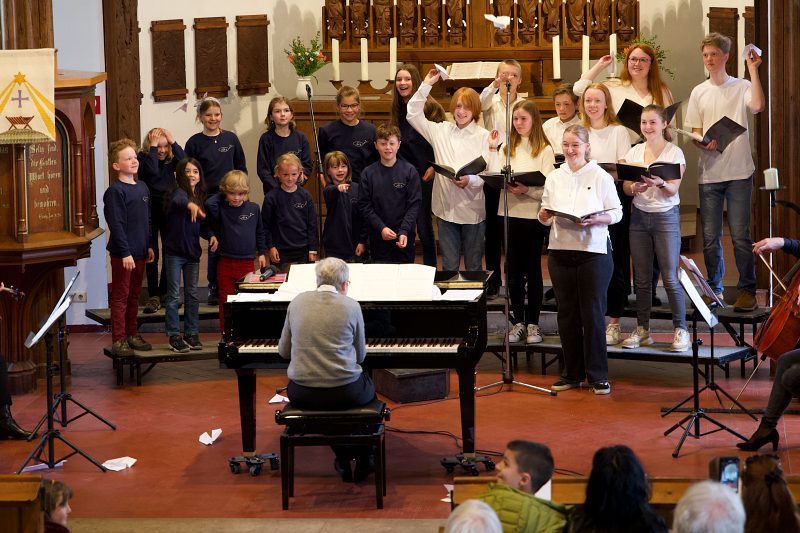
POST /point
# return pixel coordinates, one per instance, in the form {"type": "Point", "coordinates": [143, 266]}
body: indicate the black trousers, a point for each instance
{"type": "Point", "coordinates": [580, 280]}
{"type": "Point", "coordinates": [620, 286]}
{"type": "Point", "coordinates": [525, 239]}
{"type": "Point", "coordinates": [291, 257]}
{"type": "Point", "coordinates": [5, 395]}
{"type": "Point", "coordinates": [785, 386]}
{"type": "Point", "coordinates": [494, 235]}
{"type": "Point", "coordinates": [158, 222]}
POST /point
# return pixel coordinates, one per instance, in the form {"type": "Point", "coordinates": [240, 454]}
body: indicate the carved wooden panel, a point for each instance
{"type": "Point", "coordinates": [252, 54]}
{"type": "Point", "coordinates": [27, 24]}
{"type": "Point", "coordinates": [123, 88]}
{"type": "Point", "coordinates": [211, 57]}
{"type": "Point", "coordinates": [725, 20]}
{"type": "Point", "coordinates": [169, 60]}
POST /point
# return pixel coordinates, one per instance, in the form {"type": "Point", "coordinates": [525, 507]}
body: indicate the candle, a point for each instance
{"type": "Point", "coordinates": [771, 179]}
{"type": "Point", "coordinates": [585, 55]}
{"type": "Point", "coordinates": [556, 57]}
{"type": "Point", "coordinates": [612, 44]}
{"type": "Point", "coordinates": [392, 57]}
{"type": "Point", "coordinates": [364, 61]}
{"type": "Point", "coordinates": [335, 59]}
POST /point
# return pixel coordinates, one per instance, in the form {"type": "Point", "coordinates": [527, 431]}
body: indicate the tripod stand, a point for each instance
{"type": "Point", "coordinates": [508, 371]}
{"type": "Point", "coordinates": [51, 435]}
{"type": "Point", "coordinates": [63, 396]}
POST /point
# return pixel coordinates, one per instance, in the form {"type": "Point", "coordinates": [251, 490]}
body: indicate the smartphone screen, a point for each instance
{"type": "Point", "coordinates": [729, 472]}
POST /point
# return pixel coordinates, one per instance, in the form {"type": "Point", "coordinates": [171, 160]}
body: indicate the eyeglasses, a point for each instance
{"type": "Point", "coordinates": [571, 146]}
{"type": "Point", "coordinates": [642, 60]}
{"type": "Point", "coordinates": [349, 106]}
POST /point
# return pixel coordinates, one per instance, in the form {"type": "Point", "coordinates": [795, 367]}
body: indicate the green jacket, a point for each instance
{"type": "Point", "coordinates": [521, 512]}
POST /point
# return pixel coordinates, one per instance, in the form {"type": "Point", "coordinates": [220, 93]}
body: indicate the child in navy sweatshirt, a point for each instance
{"type": "Point", "coordinates": [218, 151]}
{"type": "Point", "coordinates": [281, 137]}
{"type": "Point", "coordinates": [182, 254]}
{"type": "Point", "coordinates": [389, 199]}
{"type": "Point", "coordinates": [157, 161]}
{"type": "Point", "coordinates": [290, 219]}
{"type": "Point", "coordinates": [126, 206]}
{"type": "Point", "coordinates": [236, 223]}
{"type": "Point", "coordinates": [343, 236]}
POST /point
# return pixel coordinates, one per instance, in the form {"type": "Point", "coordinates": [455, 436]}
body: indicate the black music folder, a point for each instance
{"type": "Point", "coordinates": [575, 217]}
{"type": "Point", "coordinates": [630, 114]}
{"type": "Point", "coordinates": [724, 131]}
{"type": "Point", "coordinates": [474, 167]}
{"type": "Point", "coordinates": [531, 179]}
{"type": "Point", "coordinates": [633, 172]}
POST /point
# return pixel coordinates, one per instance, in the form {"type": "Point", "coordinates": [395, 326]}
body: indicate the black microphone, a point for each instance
{"type": "Point", "coordinates": [508, 85]}
{"type": "Point", "coordinates": [267, 272]}
{"type": "Point", "coordinates": [308, 90]}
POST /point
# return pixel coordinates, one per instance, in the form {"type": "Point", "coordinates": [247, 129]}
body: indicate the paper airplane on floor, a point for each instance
{"type": "Point", "coordinates": [502, 22]}
{"type": "Point", "coordinates": [278, 399]}
{"type": "Point", "coordinates": [207, 439]}
{"type": "Point", "coordinates": [120, 463]}
{"type": "Point", "coordinates": [42, 466]}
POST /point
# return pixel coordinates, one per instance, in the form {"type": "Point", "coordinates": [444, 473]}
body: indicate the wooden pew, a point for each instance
{"type": "Point", "coordinates": [20, 509]}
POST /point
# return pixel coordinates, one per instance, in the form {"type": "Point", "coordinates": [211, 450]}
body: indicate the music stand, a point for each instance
{"type": "Point", "coordinates": [692, 420]}
{"type": "Point", "coordinates": [63, 396]}
{"type": "Point", "coordinates": [49, 437]}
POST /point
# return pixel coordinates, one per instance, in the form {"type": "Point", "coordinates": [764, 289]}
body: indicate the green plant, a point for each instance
{"type": "Point", "coordinates": [306, 60]}
{"type": "Point", "coordinates": [661, 54]}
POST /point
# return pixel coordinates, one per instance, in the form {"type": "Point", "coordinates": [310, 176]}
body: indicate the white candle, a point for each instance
{"type": "Point", "coordinates": [335, 59]}
{"type": "Point", "coordinates": [585, 55]}
{"type": "Point", "coordinates": [392, 57]}
{"type": "Point", "coordinates": [364, 61]}
{"type": "Point", "coordinates": [557, 57]}
{"type": "Point", "coordinates": [612, 45]}
{"type": "Point", "coordinates": [771, 179]}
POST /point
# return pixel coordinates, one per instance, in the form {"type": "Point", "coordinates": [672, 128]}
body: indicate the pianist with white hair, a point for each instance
{"type": "Point", "coordinates": [323, 338]}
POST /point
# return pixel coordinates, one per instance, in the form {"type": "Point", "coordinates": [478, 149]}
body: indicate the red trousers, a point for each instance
{"type": "Point", "coordinates": [229, 271]}
{"type": "Point", "coordinates": [126, 285]}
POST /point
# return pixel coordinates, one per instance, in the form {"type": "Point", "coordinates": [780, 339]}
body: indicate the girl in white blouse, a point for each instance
{"type": "Point", "coordinates": [529, 151]}
{"type": "Point", "coordinates": [579, 260]}
{"type": "Point", "coordinates": [458, 204]}
{"type": "Point", "coordinates": [655, 229]}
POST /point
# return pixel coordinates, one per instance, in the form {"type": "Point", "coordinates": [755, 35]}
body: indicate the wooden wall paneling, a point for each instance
{"type": "Point", "coordinates": [725, 20]}
{"type": "Point", "coordinates": [252, 54]}
{"type": "Point", "coordinates": [169, 60]}
{"type": "Point", "coordinates": [211, 57]}
{"type": "Point", "coordinates": [123, 88]}
{"type": "Point", "coordinates": [27, 24]}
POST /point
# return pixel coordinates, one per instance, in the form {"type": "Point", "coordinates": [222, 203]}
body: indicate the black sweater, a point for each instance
{"type": "Point", "coordinates": [127, 210]}
{"type": "Point", "coordinates": [238, 229]}
{"type": "Point", "coordinates": [357, 142]}
{"type": "Point", "coordinates": [159, 175]}
{"type": "Point", "coordinates": [290, 220]}
{"type": "Point", "coordinates": [271, 146]}
{"type": "Point", "coordinates": [217, 155]}
{"type": "Point", "coordinates": [390, 197]}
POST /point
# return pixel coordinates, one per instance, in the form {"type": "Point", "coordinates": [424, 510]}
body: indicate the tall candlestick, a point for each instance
{"type": "Point", "coordinates": [335, 59]}
{"type": "Point", "coordinates": [771, 179]}
{"type": "Point", "coordinates": [392, 58]}
{"type": "Point", "coordinates": [585, 55]}
{"type": "Point", "coordinates": [612, 44]}
{"type": "Point", "coordinates": [557, 57]}
{"type": "Point", "coordinates": [364, 60]}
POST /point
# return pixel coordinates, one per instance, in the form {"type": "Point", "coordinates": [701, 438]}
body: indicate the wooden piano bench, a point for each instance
{"type": "Point", "coordinates": [362, 425]}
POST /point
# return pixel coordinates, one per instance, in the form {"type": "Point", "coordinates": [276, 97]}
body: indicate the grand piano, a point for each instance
{"type": "Point", "coordinates": [400, 334]}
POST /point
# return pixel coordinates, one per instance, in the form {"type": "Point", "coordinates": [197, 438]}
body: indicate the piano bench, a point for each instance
{"type": "Point", "coordinates": [362, 426]}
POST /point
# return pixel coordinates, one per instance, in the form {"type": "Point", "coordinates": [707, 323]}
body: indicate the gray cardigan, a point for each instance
{"type": "Point", "coordinates": [323, 337]}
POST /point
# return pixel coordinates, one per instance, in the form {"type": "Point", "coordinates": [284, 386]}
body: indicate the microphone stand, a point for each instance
{"type": "Point", "coordinates": [320, 170]}
{"type": "Point", "coordinates": [508, 174]}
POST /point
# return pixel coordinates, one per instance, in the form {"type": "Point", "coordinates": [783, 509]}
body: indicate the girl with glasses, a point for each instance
{"type": "Point", "coordinates": [349, 134]}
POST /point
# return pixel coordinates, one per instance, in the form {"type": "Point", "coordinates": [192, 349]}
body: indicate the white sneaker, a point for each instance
{"type": "Point", "coordinates": [534, 335]}
{"type": "Point", "coordinates": [612, 334]}
{"type": "Point", "coordinates": [681, 341]}
{"type": "Point", "coordinates": [517, 333]}
{"type": "Point", "coordinates": [639, 337]}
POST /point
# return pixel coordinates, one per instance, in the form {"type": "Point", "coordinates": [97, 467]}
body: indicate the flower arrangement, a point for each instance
{"type": "Point", "coordinates": [306, 60]}
{"type": "Point", "coordinates": [661, 54]}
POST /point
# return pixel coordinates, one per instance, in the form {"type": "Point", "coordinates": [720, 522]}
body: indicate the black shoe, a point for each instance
{"type": "Point", "coordinates": [153, 305]}
{"type": "Point", "coordinates": [364, 467]}
{"type": "Point", "coordinates": [343, 468]}
{"type": "Point", "coordinates": [9, 428]}
{"type": "Point", "coordinates": [177, 344]}
{"type": "Point", "coordinates": [213, 296]}
{"type": "Point", "coordinates": [193, 341]}
{"type": "Point", "coordinates": [565, 384]}
{"type": "Point", "coordinates": [137, 342]}
{"type": "Point", "coordinates": [762, 436]}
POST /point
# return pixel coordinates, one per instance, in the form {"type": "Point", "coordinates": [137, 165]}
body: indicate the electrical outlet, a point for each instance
{"type": "Point", "coordinates": [79, 297]}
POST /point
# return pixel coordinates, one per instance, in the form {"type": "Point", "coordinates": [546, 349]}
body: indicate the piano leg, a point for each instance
{"type": "Point", "coordinates": [247, 408]}
{"type": "Point", "coordinates": [466, 395]}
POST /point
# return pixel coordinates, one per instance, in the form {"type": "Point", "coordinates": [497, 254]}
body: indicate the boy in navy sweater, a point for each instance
{"type": "Point", "coordinates": [126, 206]}
{"type": "Point", "coordinates": [236, 223]}
{"type": "Point", "coordinates": [290, 219]}
{"type": "Point", "coordinates": [389, 199]}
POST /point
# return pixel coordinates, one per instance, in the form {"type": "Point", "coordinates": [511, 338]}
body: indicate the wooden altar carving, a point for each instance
{"type": "Point", "coordinates": [455, 22]}
{"type": "Point", "coordinates": [358, 18]}
{"type": "Point", "coordinates": [407, 15]}
{"type": "Point", "coordinates": [601, 14]}
{"type": "Point", "coordinates": [431, 17]}
{"type": "Point", "coordinates": [252, 55]}
{"type": "Point", "coordinates": [335, 18]}
{"type": "Point", "coordinates": [382, 15]}
{"type": "Point", "coordinates": [211, 57]}
{"type": "Point", "coordinates": [527, 18]}
{"type": "Point", "coordinates": [504, 8]}
{"type": "Point", "coordinates": [169, 60]}
{"type": "Point", "coordinates": [627, 12]}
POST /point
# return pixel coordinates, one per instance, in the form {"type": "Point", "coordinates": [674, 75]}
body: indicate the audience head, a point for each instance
{"type": "Point", "coordinates": [566, 102]}
{"type": "Point", "coordinates": [641, 62]}
{"type": "Point", "coordinates": [235, 186]}
{"type": "Point", "coordinates": [337, 167]}
{"type": "Point", "coordinates": [280, 113]}
{"type": "Point", "coordinates": [527, 124]}
{"type": "Point", "coordinates": [768, 502]}
{"type": "Point", "coordinates": [596, 104]}
{"type": "Point", "coordinates": [55, 496]}
{"type": "Point", "coordinates": [189, 175]}
{"type": "Point", "coordinates": [122, 155]}
{"type": "Point", "coordinates": [526, 465]}
{"type": "Point", "coordinates": [333, 271]}
{"type": "Point", "coordinates": [348, 100]}
{"type": "Point", "coordinates": [709, 507]}
{"type": "Point", "coordinates": [473, 516]}
{"type": "Point", "coordinates": [465, 105]}
{"type": "Point", "coordinates": [164, 148]}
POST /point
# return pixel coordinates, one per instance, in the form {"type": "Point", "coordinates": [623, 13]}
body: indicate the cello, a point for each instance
{"type": "Point", "coordinates": [780, 333]}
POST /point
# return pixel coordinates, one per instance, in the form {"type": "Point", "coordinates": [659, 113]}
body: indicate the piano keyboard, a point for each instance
{"type": "Point", "coordinates": [268, 346]}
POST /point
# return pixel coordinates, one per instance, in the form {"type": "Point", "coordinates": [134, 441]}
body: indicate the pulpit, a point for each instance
{"type": "Point", "coordinates": [48, 218]}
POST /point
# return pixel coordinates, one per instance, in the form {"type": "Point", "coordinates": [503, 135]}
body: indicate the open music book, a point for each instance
{"type": "Point", "coordinates": [724, 131]}
{"type": "Point", "coordinates": [473, 70]}
{"type": "Point", "coordinates": [475, 166]}
{"type": "Point", "coordinates": [634, 172]}
{"type": "Point", "coordinates": [630, 114]}
{"type": "Point", "coordinates": [576, 217]}
{"type": "Point", "coordinates": [531, 179]}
